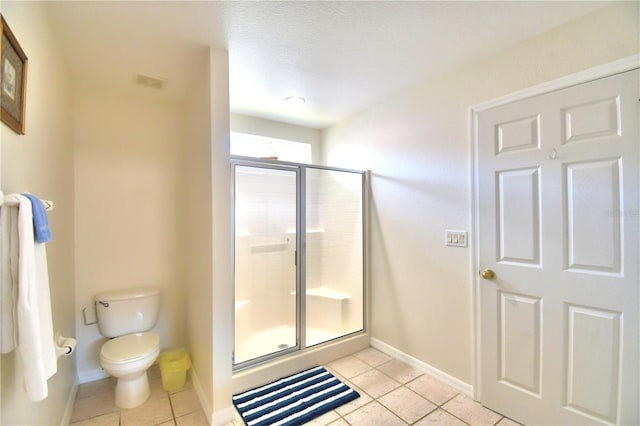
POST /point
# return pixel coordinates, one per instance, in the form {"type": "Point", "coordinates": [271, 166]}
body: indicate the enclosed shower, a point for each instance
{"type": "Point", "coordinates": [298, 257]}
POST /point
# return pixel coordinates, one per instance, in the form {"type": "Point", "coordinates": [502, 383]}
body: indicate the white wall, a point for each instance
{"type": "Point", "coordinates": [129, 186]}
{"type": "Point", "coordinates": [198, 227]}
{"type": "Point", "coordinates": [41, 162]}
{"type": "Point", "coordinates": [278, 130]}
{"type": "Point", "coordinates": [208, 237]}
{"type": "Point", "coordinates": [222, 279]}
{"type": "Point", "coordinates": [417, 146]}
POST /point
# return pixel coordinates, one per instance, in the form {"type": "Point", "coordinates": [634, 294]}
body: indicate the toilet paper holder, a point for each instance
{"type": "Point", "coordinates": [65, 346]}
{"type": "Point", "coordinates": [84, 317]}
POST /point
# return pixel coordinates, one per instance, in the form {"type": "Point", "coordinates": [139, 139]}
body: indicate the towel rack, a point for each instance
{"type": "Point", "coordinates": [48, 205]}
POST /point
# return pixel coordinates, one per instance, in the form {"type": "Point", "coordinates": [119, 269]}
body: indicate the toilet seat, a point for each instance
{"type": "Point", "coordinates": [131, 347]}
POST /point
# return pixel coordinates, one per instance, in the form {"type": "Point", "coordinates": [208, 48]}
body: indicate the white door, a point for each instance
{"type": "Point", "coordinates": [558, 225]}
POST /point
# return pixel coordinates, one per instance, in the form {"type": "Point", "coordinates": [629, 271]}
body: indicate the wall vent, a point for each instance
{"type": "Point", "coordinates": [152, 82]}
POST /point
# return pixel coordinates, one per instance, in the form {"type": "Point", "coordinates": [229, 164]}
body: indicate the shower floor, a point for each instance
{"type": "Point", "coordinates": [274, 340]}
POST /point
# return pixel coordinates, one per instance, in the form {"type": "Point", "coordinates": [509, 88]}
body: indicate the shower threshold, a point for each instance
{"type": "Point", "coordinates": [276, 339]}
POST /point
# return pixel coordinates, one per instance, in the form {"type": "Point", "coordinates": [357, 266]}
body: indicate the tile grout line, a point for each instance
{"type": "Point", "coordinates": [441, 407]}
{"type": "Point", "coordinates": [402, 385]}
{"type": "Point", "coordinates": [436, 405]}
{"type": "Point", "coordinates": [173, 413]}
{"type": "Point", "coordinates": [374, 399]}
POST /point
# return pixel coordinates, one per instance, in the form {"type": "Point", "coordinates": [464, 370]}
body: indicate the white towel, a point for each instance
{"type": "Point", "coordinates": [34, 322]}
{"type": "Point", "coordinates": [8, 277]}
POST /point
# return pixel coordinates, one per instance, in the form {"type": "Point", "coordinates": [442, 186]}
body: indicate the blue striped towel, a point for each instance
{"type": "Point", "coordinates": [41, 229]}
{"type": "Point", "coordinates": [293, 400]}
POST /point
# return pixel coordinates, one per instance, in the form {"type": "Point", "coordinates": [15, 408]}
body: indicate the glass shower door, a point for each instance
{"type": "Point", "coordinates": [334, 258]}
{"type": "Point", "coordinates": [266, 217]}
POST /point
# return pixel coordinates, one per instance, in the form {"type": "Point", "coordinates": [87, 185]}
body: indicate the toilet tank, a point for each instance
{"type": "Point", "coordinates": [127, 311]}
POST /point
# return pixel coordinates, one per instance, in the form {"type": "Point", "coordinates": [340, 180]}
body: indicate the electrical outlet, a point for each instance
{"type": "Point", "coordinates": [456, 238]}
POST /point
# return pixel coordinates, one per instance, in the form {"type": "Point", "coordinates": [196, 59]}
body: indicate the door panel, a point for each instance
{"type": "Point", "coordinates": [593, 120]}
{"type": "Point", "coordinates": [518, 135]}
{"type": "Point", "coordinates": [594, 240]}
{"type": "Point", "coordinates": [519, 210]}
{"type": "Point", "coordinates": [559, 224]}
{"type": "Point", "coordinates": [521, 342]}
{"type": "Point", "coordinates": [593, 334]}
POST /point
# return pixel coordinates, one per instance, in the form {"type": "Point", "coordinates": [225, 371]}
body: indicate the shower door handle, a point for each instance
{"type": "Point", "coordinates": [295, 258]}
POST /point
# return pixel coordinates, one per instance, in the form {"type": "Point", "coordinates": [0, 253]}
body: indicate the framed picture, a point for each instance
{"type": "Point", "coordinates": [13, 80]}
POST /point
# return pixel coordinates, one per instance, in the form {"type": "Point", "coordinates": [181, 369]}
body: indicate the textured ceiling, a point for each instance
{"type": "Point", "coordinates": [340, 56]}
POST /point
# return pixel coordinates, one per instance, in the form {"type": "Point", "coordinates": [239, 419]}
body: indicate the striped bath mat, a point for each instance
{"type": "Point", "coordinates": [293, 400]}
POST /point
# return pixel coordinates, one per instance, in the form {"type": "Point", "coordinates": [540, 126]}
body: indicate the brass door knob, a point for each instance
{"type": "Point", "coordinates": [487, 274]}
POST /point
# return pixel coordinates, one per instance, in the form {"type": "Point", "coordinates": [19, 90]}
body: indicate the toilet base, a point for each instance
{"type": "Point", "coordinates": [132, 391]}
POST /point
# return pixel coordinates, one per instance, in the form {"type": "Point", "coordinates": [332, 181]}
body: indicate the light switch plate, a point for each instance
{"type": "Point", "coordinates": [456, 238]}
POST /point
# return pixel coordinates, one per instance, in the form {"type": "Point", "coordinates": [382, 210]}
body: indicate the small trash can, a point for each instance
{"type": "Point", "coordinates": [173, 368]}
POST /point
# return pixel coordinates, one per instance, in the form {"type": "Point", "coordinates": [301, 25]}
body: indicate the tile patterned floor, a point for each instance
{"type": "Point", "coordinates": [95, 406]}
{"type": "Point", "coordinates": [391, 393]}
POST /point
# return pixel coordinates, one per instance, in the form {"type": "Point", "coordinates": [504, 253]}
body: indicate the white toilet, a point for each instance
{"type": "Point", "coordinates": [126, 316]}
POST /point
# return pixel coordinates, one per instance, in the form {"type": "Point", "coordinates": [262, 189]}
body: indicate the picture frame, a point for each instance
{"type": "Point", "coordinates": [13, 80]}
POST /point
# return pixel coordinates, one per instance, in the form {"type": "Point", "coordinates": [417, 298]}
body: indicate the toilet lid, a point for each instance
{"type": "Point", "coordinates": [130, 347]}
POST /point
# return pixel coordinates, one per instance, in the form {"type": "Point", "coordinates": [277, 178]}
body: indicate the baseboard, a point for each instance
{"type": "Point", "coordinates": [68, 407]}
{"type": "Point", "coordinates": [92, 375]}
{"type": "Point", "coordinates": [201, 395]}
{"type": "Point", "coordinates": [455, 383]}
{"type": "Point", "coordinates": [223, 417]}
